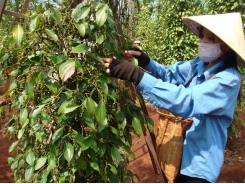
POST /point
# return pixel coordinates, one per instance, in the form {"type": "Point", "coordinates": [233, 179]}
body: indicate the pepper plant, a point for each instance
{"type": "Point", "coordinates": [70, 121]}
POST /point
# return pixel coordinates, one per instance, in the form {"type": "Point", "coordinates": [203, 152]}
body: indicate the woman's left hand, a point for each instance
{"type": "Point", "coordinates": [107, 62]}
{"type": "Point", "coordinates": [122, 69]}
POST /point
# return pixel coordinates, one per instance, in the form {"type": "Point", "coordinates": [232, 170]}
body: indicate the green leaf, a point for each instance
{"type": "Point", "coordinates": [20, 133]}
{"type": "Point", "coordinates": [80, 49]}
{"type": "Point", "coordinates": [37, 110]}
{"type": "Point", "coordinates": [67, 69]}
{"type": "Point", "coordinates": [69, 108]}
{"type": "Point", "coordinates": [100, 38]}
{"type": "Point", "coordinates": [78, 138]}
{"type": "Point", "coordinates": [88, 120]}
{"type": "Point", "coordinates": [29, 89]}
{"type": "Point", "coordinates": [101, 113]}
{"type": "Point", "coordinates": [40, 136]}
{"type": "Point", "coordinates": [113, 168]}
{"type": "Point", "coordinates": [47, 99]}
{"type": "Point", "coordinates": [30, 158]}
{"type": "Point", "coordinates": [150, 125]}
{"type": "Point", "coordinates": [114, 130]}
{"type": "Point", "coordinates": [102, 127]}
{"type": "Point", "coordinates": [115, 154]}
{"type": "Point", "coordinates": [14, 165]}
{"type": "Point", "coordinates": [102, 149]}
{"type": "Point", "coordinates": [28, 173]}
{"type": "Point", "coordinates": [111, 21]}
{"type": "Point", "coordinates": [90, 105]}
{"type": "Point", "coordinates": [60, 2]}
{"type": "Point", "coordinates": [105, 88]}
{"type": "Point", "coordinates": [44, 178]}
{"type": "Point", "coordinates": [108, 45]}
{"type": "Point", "coordinates": [56, 59]}
{"type": "Point", "coordinates": [95, 166]}
{"type": "Point", "coordinates": [137, 126]}
{"type": "Point", "coordinates": [113, 178]}
{"type": "Point", "coordinates": [79, 67]}
{"type": "Point", "coordinates": [101, 14]}
{"type": "Point", "coordinates": [21, 163]}
{"type": "Point", "coordinates": [52, 86]}
{"type": "Point", "coordinates": [68, 151]}
{"type": "Point", "coordinates": [10, 160]}
{"type": "Point", "coordinates": [40, 162]}
{"type": "Point", "coordinates": [81, 28]}
{"type": "Point", "coordinates": [12, 86]}
{"type": "Point", "coordinates": [18, 33]}
{"type": "Point", "coordinates": [52, 161]}
{"type": "Point", "coordinates": [94, 145]}
{"type": "Point", "coordinates": [34, 23]}
{"type": "Point", "coordinates": [95, 57]}
{"type": "Point", "coordinates": [87, 143]}
{"type": "Point", "coordinates": [63, 106]}
{"type": "Point", "coordinates": [57, 134]}
{"type": "Point", "coordinates": [62, 179]}
{"type": "Point", "coordinates": [13, 145]}
{"type": "Point", "coordinates": [57, 17]}
{"type": "Point", "coordinates": [129, 151]}
{"type": "Point", "coordinates": [26, 123]}
{"type": "Point", "coordinates": [23, 115]}
{"type": "Point", "coordinates": [145, 2]}
{"type": "Point", "coordinates": [104, 79]}
{"type": "Point", "coordinates": [123, 123]}
{"type": "Point", "coordinates": [80, 12]}
{"type": "Point", "coordinates": [82, 164]}
{"type": "Point", "coordinates": [14, 73]}
{"type": "Point", "coordinates": [51, 34]}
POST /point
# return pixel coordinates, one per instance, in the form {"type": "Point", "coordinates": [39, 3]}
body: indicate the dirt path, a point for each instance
{"type": "Point", "coordinates": [233, 170]}
{"type": "Point", "coordinates": [6, 174]}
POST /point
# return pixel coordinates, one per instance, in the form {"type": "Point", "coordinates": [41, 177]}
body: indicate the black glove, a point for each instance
{"type": "Point", "coordinates": [143, 59]}
{"type": "Point", "coordinates": [122, 69]}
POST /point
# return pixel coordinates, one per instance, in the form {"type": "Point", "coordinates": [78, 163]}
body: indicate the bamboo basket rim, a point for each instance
{"type": "Point", "coordinates": [170, 116]}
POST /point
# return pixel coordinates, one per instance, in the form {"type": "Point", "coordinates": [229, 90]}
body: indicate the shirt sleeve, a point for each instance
{"type": "Point", "coordinates": [213, 97]}
{"type": "Point", "coordinates": [177, 73]}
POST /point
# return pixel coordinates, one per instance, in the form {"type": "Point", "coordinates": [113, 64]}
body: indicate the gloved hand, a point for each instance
{"type": "Point", "coordinates": [122, 69]}
{"type": "Point", "coordinates": [143, 59]}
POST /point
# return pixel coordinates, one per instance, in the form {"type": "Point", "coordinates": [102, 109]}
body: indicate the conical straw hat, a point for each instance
{"type": "Point", "coordinates": [228, 27]}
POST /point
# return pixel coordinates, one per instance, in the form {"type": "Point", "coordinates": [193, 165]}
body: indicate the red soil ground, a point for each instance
{"type": "Point", "coordinates": [233, 170]}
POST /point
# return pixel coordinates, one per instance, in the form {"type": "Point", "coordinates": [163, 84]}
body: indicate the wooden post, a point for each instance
{"type": "Point", "coordinates": [12, 13]}
{"type": "Point", "coordinates": [2, 7]}
{"type": "Point", "coordinates": [26, 6]}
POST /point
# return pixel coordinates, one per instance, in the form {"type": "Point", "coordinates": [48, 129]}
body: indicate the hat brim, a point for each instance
{"type": "Point", "coordinates": [193, 26]}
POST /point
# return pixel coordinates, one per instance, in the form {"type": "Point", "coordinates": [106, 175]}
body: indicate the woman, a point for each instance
{"type": "Point", "coordinates": [210, 97]}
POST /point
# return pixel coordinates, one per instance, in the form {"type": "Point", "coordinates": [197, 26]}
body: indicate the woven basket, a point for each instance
{"type": "Point", "coordinates": [169, 142]}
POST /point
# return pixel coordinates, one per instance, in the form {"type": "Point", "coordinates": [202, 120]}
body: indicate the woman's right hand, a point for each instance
{"type": "Point", "coordinates": [143, 59]}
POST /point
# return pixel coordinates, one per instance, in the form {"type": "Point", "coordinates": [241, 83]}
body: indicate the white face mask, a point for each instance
{"type": "Point", "coordinates": [209, 52]}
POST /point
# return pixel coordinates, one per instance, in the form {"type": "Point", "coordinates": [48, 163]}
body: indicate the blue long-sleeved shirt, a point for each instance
{"type": "Point", "coordinates": [209, 101]}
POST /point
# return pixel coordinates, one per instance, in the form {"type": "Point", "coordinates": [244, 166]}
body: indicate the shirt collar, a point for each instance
{"type": "Point", "coordinates": [202, 66]}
